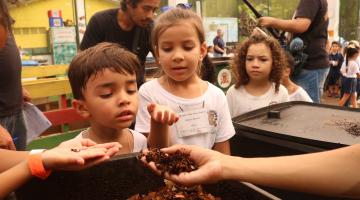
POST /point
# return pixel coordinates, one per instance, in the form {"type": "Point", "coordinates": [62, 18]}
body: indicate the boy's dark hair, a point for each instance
{"type": "Point", "coordinates": [277, 53]}
{"type": "Point", "coordinates": [290, 62]}
{"type": "Point", "coordinates": [95, 60]}
{"type": "Point", "coordinates": [335, 42]}
{"type": "Point", "coordinates": [132, 2]}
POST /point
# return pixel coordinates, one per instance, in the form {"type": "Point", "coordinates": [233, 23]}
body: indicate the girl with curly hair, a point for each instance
{"type": "Point", "coordinates": [258, 69]}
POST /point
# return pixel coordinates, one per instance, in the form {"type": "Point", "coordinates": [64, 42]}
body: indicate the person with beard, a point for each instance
{"type": "Point", "coordinates": [129, 26]}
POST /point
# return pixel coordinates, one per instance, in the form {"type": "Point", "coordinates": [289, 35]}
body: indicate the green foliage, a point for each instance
{"type": "Point", "coordinates": [274, 8]}
{"type": "Point", "coordinates": [349, 19]}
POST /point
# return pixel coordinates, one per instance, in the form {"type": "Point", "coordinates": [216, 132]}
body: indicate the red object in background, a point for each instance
{"type": "Point", "coordinates": [54, 14]}
{"type": "Point", "coordinates": [63, 116]}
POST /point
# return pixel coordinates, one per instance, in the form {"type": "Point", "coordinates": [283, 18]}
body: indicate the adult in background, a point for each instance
{"type": "Point", "coordinates": [336, 59]}
{"type": "Point", "coordinates": [219, 44]}
{"type": "Point", "coordinates": [129, 26]}
{"type": "Point", "coordinates": [12, 95]}
{"type": "Point", "coordinates": [310, 23]}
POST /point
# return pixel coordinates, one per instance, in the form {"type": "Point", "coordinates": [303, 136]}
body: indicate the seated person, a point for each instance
{"type": "Point", "coordinates": [103, 82]}
{"type": "Point", "coordinates": [296, 92]}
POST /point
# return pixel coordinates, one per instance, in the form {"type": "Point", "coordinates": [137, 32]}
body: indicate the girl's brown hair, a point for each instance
{"type": "Point", "coordinates": [175, 17]}
{"type": "Point", "coordinates": [239, 68]}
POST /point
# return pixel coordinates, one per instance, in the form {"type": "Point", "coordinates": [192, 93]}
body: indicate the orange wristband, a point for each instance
{"type": "Point", "coordinates": [36, 167]}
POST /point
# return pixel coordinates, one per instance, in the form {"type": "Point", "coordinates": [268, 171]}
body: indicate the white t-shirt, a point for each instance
{"type": "Point", "coordinates": [140, 141]}
{"type": "Point", "coordinates": [240, 101]}
{"type": "Point", "coordinates": [213, 100]}
{"type": "Point", "coordinates": [300, 95]}
{"type": "Point", "coordinates": [353, 69]}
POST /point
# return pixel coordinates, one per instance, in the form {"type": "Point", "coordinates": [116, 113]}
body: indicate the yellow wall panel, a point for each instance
{"type": "Point", "coordinates": [93, 6]}
{"type": "Point", "coordinates": [31, 41]}
{"type": "Point", "coordinates": [34, 14]}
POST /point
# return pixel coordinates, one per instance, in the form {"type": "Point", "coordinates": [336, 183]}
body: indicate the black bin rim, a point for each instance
{"type": "Point", "coordinates": [281, 106]}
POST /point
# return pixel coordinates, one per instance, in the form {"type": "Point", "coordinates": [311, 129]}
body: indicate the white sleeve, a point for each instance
{"type": "Point", "coordinates": [357, 68]}
{"type": "Point", "coordinates": [306, 97]}
{"type": "Point", "coordinates": [142, 123]}
{"type": "Point", "coordinates": [285, 96]}
{"type": "Point", "coordinates": [226, 128]}
{"type": "Point", "coordinates": [230, 100]}
{"type": "Point", "coordinates": [140, 141]}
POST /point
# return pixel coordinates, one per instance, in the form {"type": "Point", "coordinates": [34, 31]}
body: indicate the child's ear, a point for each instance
{"type": "Point", "coordinates": [81, 108]}
{"type": "Point", "coordinates": [203, 50]}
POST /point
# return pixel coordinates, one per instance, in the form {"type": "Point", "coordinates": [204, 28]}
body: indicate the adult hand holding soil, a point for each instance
{"type": "Point", "coordinates": [209, 163]}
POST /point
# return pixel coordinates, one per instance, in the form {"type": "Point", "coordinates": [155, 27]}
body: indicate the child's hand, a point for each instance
{"type": "Point", "coordinates": [6, 141]}
{"type": "Point", "coordinates": [111, 148]}
{"type": "Point", "coordinates": [162, 114]}
{"type": "Point", "coordinates": [78, 154]}
{"type": "Point", "coordinates": [73, 158]}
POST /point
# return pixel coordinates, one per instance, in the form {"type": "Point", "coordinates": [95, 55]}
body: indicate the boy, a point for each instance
{"type": "Point", "coordinates": [336, 60]}
{"type": "Point", "coordinates": [103, 82]}
{"type": "Point", "coordinates": [296, 93]}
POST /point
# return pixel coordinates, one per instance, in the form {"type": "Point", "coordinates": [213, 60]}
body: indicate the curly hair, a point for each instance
{"type": "Point", "coordinates": [277, 53]}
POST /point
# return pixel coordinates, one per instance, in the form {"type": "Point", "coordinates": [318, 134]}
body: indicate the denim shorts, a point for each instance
{"type": "Point", "coordinates": [313, 82]}
{"type": "Point", "coordinates": [15, 124]}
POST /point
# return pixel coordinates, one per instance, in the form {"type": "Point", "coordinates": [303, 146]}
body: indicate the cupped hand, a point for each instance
{"type": "Point", "coordinates": [209, 165]}
{"type": "Point", "coordinates": [73, 158]}
{"type": "Point", "coordinates": [162, 114]}
{"type": "Point", "coordinates": [111, 148]}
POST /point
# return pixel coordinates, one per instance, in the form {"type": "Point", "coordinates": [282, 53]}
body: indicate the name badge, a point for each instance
{"type": "Point", "coordinates": [193, 122]}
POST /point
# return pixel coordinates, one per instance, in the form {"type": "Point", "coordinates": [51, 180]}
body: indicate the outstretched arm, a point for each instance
{"type": "Point", "coordinates": [328, 173]}
{"type": "Point", "coordinates": [298, 25]}
{"type": "Point", "coordinates": [15, 170]}
{"type": "Point", "coordinates": [334, 173]}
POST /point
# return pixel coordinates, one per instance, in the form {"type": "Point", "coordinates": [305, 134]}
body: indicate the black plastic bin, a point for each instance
{"type": "Point", "coordinates": [302, 128]}
{"type": "Point", "coordinates": [120, 178]}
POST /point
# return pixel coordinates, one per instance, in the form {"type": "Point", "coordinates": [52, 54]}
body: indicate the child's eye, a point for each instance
{"type": "Point", "coordinates": [249, 59]}
{"type": "Point", "coordinates": [166, 49]}
{"type": "Point", "coordinates": [188, 48]}
{"type": "Point", "coordinates": [264, 59]}
{"type": "Point", "coordinates": [105, 96]}
{"type": "Point", "coordinates": [131, 91]}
